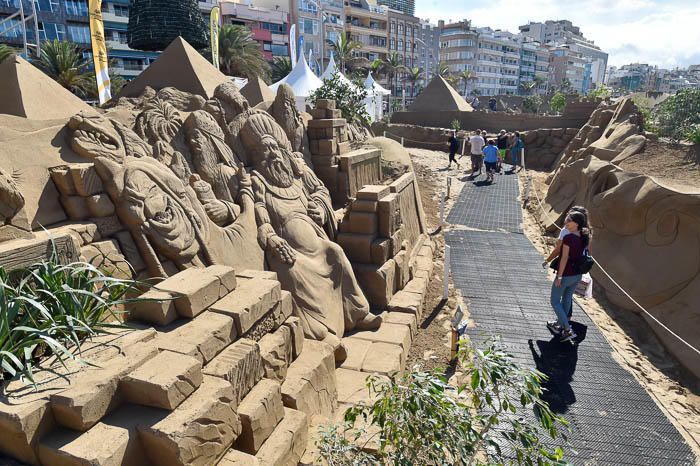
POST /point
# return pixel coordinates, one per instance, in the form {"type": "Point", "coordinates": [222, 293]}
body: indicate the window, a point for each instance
{"type": "Point", "coordinates": [308, 26]}
{"type": "Point", "coordinates": [401, 45]}
{"type": "Point", "coordinates": [305, 5]}
{"type": "Point", "coordinates": [11, 29]}
{"type": "Point", "coordinates": [132, 64]}
{"type": "Point", "coordinates": [76, 8]}
{"type": "Point", "coordinates": [393, 27]}
{"type": "Point", "coordinates": [280, 50]}
{"type": "Point", "coordinates": [400, 28]}
{"type": "Point", "coordinates": [393, 44]}
{"type": "Point", "coordinates": [121, 10]}
{"type": "Point", "coordinates": [80, 34]}
{"type": "Point", "coordinates": [274, 28]}
{"type": "Point", "coordinates": [267, 46]}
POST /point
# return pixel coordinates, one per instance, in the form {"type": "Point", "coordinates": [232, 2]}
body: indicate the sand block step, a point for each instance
{"type": "Point", "coordinates": [373, 192]}
{"type": "Point", "coordinates": [384, 358]}
{"type": "Point", "coordinates": [287, 444]}
{"type": "Point", "coordinates": [199, 431]}
{"type": "Point", "coordinates": [238, 458]}
{"type": "Point", "coordinates": [357, 351]}
{"type": "Point", "coordinates": [408, 302]}
{"type": "Point", "coordinates": [395, 334]}
{"type": "Point", "coordinates": [251, 273]}
{"type": "Point", "coordinates": [402, 318]}
{"type": "Point", "coordinates": [310, 385]}
{"type": "Point", "coordinates": [196, 289]}
{"type": "Point", "coordinates": [240, 365]}
{"type": "Point", "coordinates": [249, 302]}
{"type": "Point", "coordinates": [276, 353]}
{"type": "Point", "coordinates": [260, 412]}
{"type": "Point", "coordinates": [163, 382]}
{"type": "Point", "coordinates": [352, 388]}
{"type": "Point", "coordinates": [297, 331]}
{"type": "Point", "coordinates": [154, 306]}
{"type": "Point", "coordinates": [203, 337]}
{"type": "Point", "coordinates": [273, 319]}
{"type": "Point", "coordinates": [94, 392]}
{"type": "Point", "coordinates": [25, 412]}
{"type": "Point", "coordinates": [112, 442]}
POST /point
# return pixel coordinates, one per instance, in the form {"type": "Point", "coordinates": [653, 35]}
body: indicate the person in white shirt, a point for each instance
{"type": "Point", "coordinates": [476, 144]}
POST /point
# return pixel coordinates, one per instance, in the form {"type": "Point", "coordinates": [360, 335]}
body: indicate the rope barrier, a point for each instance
{"type": "Point", "coordinates": [661, 324]}
{"type": "Point", "coordinates": [417, 142]}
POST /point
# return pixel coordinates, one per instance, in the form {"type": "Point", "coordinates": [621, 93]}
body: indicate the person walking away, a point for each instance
{"type": "Point", "coordinates": [490, 160]}
{"type": "Point", "coordinates": [502, 144]}
{"type": "Point", "coordinates": [476, 145]}
{"type": "Point", "coordinates": [453, 142]}
{"type": "Point", "coordinates": [515, 151]}
{"type": "Point", "coordinates": [492, 104]}
{"type": "Point", "coordinates": [567, 279]}
{"type": "Point", "coordinates": [556, 252]}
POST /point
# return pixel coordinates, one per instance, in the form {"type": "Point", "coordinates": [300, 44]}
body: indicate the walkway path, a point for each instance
{"type": "Point", "coordinates": [497, 269]}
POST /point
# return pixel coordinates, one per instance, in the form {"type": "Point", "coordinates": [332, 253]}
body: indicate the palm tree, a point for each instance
{"type": "Point", "coordinates": [392, 66]}
{"type": "Point", "coordinates": [376, 67]}
{"type": "Point", "coordinates": [239, 54]}
{"type": "Point", "coordinates": [414, 75]}
{"type": "Point", "coordinates": [528, 86]}
{"type": "Point", "coordinates": [441, 69]}
{"type": "Point", "coordinates": [281, 67]}
{"type": "Point", "coordinates": [344, 49]}
{"type": "Point", "coordinates": [154, 24]}
{"type": "Point", "coordinates": [466, 76]}
{"type": "Point", "coordinates": [5, 52]}
{"type": "Point", "coordinates": [64, 62]}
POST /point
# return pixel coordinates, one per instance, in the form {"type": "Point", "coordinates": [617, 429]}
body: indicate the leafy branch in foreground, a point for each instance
{"type": "Point", "coordinates": [496, 417]}
{"type": "Point", "coordinates": [349, 99]}
{"type": "Point", "coordinates": [50, 309]}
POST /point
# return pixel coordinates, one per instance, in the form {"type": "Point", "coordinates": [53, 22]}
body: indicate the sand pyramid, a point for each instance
{"type": "Point", "coordinates": [439, 96]}
{"type": "Point", "coordinates": [256, 91]}
{"type": "Point", "coordinates": [180, 66]}
{"type": "Point", "coordinates": [25, 91]}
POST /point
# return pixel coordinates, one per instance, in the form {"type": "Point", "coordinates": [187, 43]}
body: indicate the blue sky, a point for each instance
{"type": "Point", "coordinates": [663, 32]}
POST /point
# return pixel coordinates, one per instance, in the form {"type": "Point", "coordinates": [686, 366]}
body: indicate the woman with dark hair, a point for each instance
{"type": "Point", "coordinates": [573, 246]}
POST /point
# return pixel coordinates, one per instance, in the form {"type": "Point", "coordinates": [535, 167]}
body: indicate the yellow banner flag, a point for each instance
{"type": "Point", "coordinates": [99, 51]}
{"type": "Point", "coordinates": [214, 18]}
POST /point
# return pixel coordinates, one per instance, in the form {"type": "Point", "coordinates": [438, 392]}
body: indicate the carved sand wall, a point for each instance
{"type": "Point", "coordinates": [646, 235]}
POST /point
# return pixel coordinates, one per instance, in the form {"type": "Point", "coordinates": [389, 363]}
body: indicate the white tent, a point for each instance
{"type": "Point", "coordinates": [331, 69]}
{"type": "Point", "coordinates": [302, 80]}
{"type": "Point", "coordinates": [375, 98]}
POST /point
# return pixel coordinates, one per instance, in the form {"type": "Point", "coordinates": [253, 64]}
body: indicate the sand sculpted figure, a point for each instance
{"type": "Point", "coordinates": [11, 199]}
{"type": "Point", "coordinates": [97, 136]}
{"type": "Point", "coordinates": [285, 111]}
{"type": "Point", "coordinates": [290, 219]}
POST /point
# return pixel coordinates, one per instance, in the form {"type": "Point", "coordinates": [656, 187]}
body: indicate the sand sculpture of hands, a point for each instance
{"type": "Point", "coordinates": [646, 236]}
{"type": "Point", "coordinates": [292, 208]}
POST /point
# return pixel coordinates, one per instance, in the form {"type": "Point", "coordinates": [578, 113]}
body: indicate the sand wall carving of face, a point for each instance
{"type": "Point", "coordinates": [97, 136]}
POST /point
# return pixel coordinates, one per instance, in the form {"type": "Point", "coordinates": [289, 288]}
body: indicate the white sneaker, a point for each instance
{"type": "Point", "coordinates": [567, 335]}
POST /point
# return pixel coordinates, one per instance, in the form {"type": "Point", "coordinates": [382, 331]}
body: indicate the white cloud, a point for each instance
{"type": "Point", "coordinates": [662, 32]}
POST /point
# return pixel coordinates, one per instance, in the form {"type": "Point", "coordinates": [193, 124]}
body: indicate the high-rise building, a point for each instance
{"type": "Point", "coordinates": [459, 48]}
{"type": "Point", "coordinates": [270, 28]}
{"type": "Point", "coordinates": [403, 31]}
{"type": "Point", "coordinates": [428, 49]}
{"type": "Point", "coordinates": [568, 65]}
{"type": "Point", "coordinates": [318, 21]}
{"type": "Point", "coordinates": [407, 7]}
{"type": "Point", "coordinates": [369, 25]}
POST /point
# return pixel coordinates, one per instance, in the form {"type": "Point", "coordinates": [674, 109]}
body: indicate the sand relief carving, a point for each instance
{"type": "Point", "coordinates": [11, 199]}
{"type": "Point", "coordinates": [96, 136]}
{"type": "Point", "coordinates": [292, 207]}
{"type": "Point", "coordinates": [285, 112]}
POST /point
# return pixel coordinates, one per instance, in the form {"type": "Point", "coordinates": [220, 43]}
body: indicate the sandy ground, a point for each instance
{"type": "Point", "coordinates": [674, 165]}
{"type": "Point", "coordinates": [636, 349]}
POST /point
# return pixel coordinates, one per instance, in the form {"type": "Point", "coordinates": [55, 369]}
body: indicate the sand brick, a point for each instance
{"type": "Point", "coordinates": [357, 247]}
{"type": "Point", "coordinates": [155, 306]}
{"type": "Point", "coordinates": [251, 300]}
{"type": "Point", "coordinates": [195, 290]}
{"type": "Point", "coordinates": [380, 250]}
{"type": "Point", "coordinates": [373, 192]}
{"type": "Point", "coordinates": [297, 332]}
{"type": "Point", "coordinates": [240, 364]}
{"type": "Point", "coordinates": [260, 412]}
{"type": "Point", "coordinates": [287, 443]}
{"type": "Point", "coordinates": [276, 353]}
{"type": "Point", "coordinates": [310, 385]}
{"type": "Point", "coordinates": [363, 222]}
{"type": "Point", "coordinates": [203, 337]}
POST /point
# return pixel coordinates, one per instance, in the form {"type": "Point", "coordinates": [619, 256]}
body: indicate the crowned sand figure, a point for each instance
{"type": "Point", "coordinates": [291, 210]}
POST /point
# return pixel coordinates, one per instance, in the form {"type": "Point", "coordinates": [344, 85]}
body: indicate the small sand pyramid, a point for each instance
{"type": "Point", "coordinates": [256, 91]}
{"type": "Point", "coordinates": [179, 66]}
{"type": "Point", "coordinates": [25, 91]}
{"type": "Point", "coordinates": [439, 96]}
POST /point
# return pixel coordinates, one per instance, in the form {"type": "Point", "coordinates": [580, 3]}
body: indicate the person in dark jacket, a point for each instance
{"type": "Point", "coordinates": [453, 142]}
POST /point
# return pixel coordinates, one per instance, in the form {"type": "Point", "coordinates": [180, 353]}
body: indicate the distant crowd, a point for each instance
{"type": "Point", "coordinates": [489, 153]}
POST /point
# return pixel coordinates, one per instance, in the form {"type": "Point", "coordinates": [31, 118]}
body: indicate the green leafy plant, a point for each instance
{"type": "Point", "coordinates": [280, 67]}
{"type": "Point", "coordinates": [350, 100]}
{"type": "Point", "coordinates": [6, 51]}
{"type": "Point", "coordinates": [601, 92]}
{"type": "Point", "coordinates": [64, 62]}
{"type": "Point", "coordinates": [558, 102]}
{"type": "Point", "coordinates": [50, 308]}
{"type": "Point", "coordinates": [693, 135]}
{"type": "Point", "coordinates": [494, 416]}
{"type": "Point", "coordinates": [678, 114]}
{"type": "Point", "coordinates": [455, 125]}
{"type": "Point", "coordinates": [532, 103]}
{"type": "Point", "coordinates": [239, 54]}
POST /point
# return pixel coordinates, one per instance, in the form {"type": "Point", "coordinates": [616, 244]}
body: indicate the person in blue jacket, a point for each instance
{"type": "Point", "coordinates": [491, 160]}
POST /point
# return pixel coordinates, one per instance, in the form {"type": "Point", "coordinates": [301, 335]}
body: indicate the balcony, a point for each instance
{"type": "Point", "coordinates": [116, 45]}
{"type": "Point", "coordinates": [111, 17]}
{"type": "Point", "coordinates": [365, 13]}
{"type": "Point", "coordinates": [366, 30]}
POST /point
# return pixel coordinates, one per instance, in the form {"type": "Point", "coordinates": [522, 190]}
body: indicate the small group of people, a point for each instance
{"type": "Point", "coordinates": [492, 152]}
{"type": "Point", "coordinates": [573, 243]}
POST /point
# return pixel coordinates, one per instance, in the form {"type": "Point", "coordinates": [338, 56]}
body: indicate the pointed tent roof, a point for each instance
{"type": "Point", "coordinates": [27, 92]}
{"type": "Point", "coordinates": [331, 69]}
{"type": "Point", "coordinates": [370, 83]}
{"type": "Point", "coordinates": [179, 66]}
{"type": "Point", "coordinates": [256, 91]}
{"type": "Point", "coordinates": [439, 96]}
{"type": "Point", "coordinates": [302, 79]}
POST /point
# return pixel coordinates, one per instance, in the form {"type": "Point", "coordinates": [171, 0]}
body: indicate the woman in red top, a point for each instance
{"type": "Point", "coordinates": [567, 279]}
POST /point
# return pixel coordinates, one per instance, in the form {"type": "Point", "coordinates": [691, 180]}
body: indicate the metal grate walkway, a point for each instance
{"type": "Point", "coordinates": [614, 420]}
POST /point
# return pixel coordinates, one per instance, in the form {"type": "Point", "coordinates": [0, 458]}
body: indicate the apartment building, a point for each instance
{"type": "Point", "coordinates": [565, 63]}
{"type": "Point", "coordinates": [318, 21]}
{"type": "Point", "coordinates": [407, 7]}
{"type": "Point", "coordinates": [458, 46]}
{"type": "Point", "coordinates": [270, 28]}
{"type": "Point", "coordinates": [68, 20]}
{"type": "Point", "coordinates": [643, 77]}
{"type": "Point", "coordinates": [428, 49]}
{"type": "Point", "coordinates": [403, 31]}
{"type": "Point", "coordinates": [368, 24]}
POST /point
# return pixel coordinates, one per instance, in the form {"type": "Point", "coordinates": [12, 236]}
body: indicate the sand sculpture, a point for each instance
{"type": "Point", "coordinates": [254, 303]}
{"type": "Point", "coordinates": [646, 235]}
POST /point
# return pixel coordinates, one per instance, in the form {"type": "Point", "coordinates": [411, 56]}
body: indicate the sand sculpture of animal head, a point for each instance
{"type": "Point", "coordinates": [97, 136]}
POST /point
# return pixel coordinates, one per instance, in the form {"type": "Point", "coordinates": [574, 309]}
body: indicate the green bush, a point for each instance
{"type": "Point", "coordinates": [50, 309]}
{"type": "Point", "coordinates": [532, 103]}
{"type": "Point", "coordinates": [676, 116]}
{"type": "Point", "coordinates": [455, 125]}
{"type": "Point", "coordinates": [693, 135]}
{"type": "Point", "coordinates": [558, 102]}
{"type": "Point", "coordinates": [350, 101]}
{"type": "Point", "coordinates": [421, 419]}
